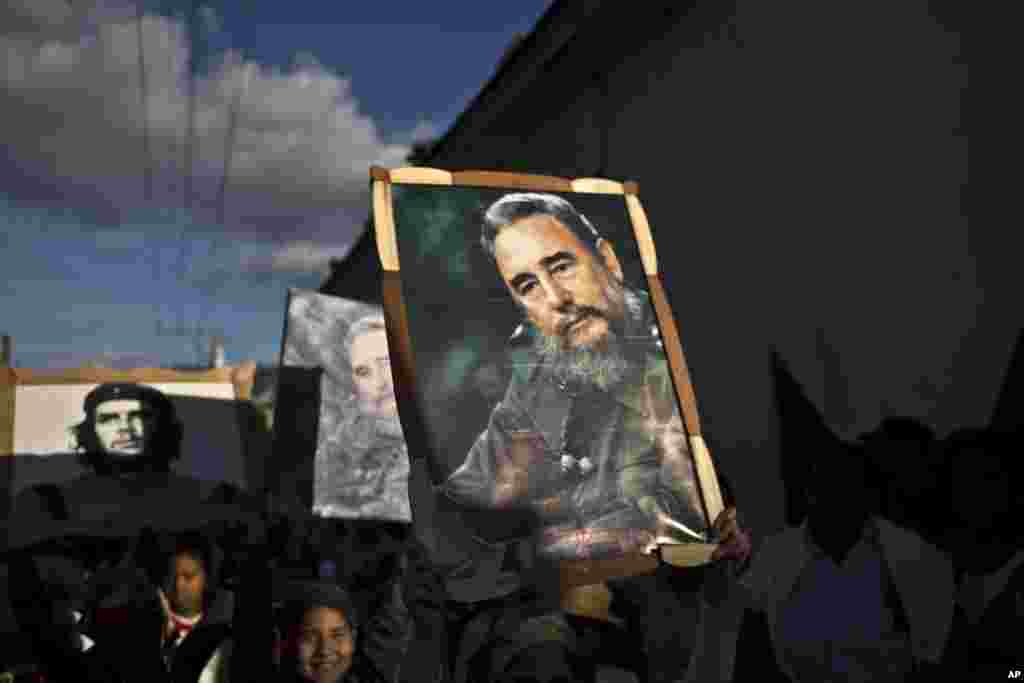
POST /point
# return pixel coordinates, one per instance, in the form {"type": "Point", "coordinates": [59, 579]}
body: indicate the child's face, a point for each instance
{"type": "Point", "coordinates": [326, 645]}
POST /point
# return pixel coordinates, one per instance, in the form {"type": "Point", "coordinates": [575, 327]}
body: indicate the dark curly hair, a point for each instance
{"type": "Point", "coordinates": [167, 435]}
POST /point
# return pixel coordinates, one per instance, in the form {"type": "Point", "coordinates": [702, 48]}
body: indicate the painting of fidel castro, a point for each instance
{"type": "Point", "coordinates": [361, 466]}
{"type": "Point", "coordinates": [588, 434]}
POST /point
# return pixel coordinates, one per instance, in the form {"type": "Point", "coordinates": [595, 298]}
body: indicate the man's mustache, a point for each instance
{"type": "Point", "coordinates": [578, 314]}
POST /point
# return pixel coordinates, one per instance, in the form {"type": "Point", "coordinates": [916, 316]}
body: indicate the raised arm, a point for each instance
{"type": "Point", "coordinates": [386, 634]}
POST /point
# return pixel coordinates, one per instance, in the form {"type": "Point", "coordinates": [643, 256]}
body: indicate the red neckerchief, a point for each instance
{"type": "Point", "coordinates": [182, 628]}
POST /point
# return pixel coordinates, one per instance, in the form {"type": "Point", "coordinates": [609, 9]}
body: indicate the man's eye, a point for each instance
{"type": "Point", "coordinates": [561, 267]}
{"type": "Point", "coordinates": [104, 419]}
{"type": "Point", "coordinates": [362, 371]}
{"type": "Point", "coordinates": [527, 288]}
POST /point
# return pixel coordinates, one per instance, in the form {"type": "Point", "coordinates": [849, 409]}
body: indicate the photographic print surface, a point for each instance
{"type": "Point", "coordinates": [361, 465]}
{"type": "Point", "coordinates": [46, 414]}
{"type": "Point", "coordinates": [540, 370]}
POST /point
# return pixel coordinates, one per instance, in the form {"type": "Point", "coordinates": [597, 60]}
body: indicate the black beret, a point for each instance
{"type": "Point", "coordinates": [125, 391]}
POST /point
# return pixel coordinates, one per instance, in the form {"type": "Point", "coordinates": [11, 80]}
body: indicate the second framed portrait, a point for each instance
{"type": "Point", "coordinates": [361, 464]}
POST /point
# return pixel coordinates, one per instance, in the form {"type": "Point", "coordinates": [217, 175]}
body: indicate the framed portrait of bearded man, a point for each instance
{"type": "Point", "coordinates": [360, 465]}
{"type": "Point", "coordinates": [537, 349]}
{"type": "Point", "coordinates": [79, 429]}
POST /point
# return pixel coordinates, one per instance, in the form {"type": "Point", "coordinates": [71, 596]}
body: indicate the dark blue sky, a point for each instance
{"type": "Point", "coordinates": [95, 267]}
{"type": "Point", "coordinates": [408, 60]}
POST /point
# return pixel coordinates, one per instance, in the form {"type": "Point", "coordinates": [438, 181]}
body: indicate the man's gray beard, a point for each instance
{"type": "Point", "coordinates": [389, 426]}
{"type": "Point", "coordinates": [602, 368]}
{"type": "Point", "coordinates": [363, 431]}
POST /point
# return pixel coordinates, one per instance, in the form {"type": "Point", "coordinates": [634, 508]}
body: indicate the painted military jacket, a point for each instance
{"type": "Point", "coordinates": [597, 468]}
{"type": "Point", "coordinates": [362, 476]}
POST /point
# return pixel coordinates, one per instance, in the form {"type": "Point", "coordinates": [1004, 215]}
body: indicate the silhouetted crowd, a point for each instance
{"type": "Point", "coordinates": [902, 560]}
{"type": "Point", "coordinates": [134, 572]}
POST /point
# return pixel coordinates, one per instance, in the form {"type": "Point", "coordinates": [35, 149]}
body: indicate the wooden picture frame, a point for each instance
{"type": "Point", "coordinates": [573, 572]}
{"type": "Point", "coordinates": [240, 378]}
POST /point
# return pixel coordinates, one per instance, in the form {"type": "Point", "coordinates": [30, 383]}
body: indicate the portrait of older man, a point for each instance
{"type": "Point", "coordinates": [588, 435]}
{"type": "Point", "coordinates": [364, 459]}
{"type": "Point", "coordinates": [361, 465]}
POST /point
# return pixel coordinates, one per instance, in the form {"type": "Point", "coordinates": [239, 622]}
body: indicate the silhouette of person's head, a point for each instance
{"type": "Point", "coordinates": [905, 453]}
{"type": "Point", "coordinates": [839, 497]}
{"type": "Point", "coordinates": [981, 480]}
{"type": "Point", "coordinates": [837, 483]}
{"type": "Point", "coordinates": [128, 427]}
{"type": "Point", "coordinates": [901, 446]}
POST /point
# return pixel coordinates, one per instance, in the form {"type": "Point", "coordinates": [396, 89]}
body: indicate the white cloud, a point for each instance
{"type": "Point", "coordinates": [296, 257]}
{"type": "Point", "coordinates": [46, 18]}
{"type": "Point", "coordinates": [73, 114]}
{"type": "Point", "coordinates": [424, 131]}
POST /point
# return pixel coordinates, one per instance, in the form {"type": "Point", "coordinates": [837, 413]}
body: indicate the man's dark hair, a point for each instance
{"type": "Point", "coordinates": [165, 444]}
{"type": "Point", "coordinates": [517, 206]}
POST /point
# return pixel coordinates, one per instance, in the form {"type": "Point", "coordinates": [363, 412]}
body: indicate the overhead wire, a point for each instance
{"type": "Point", "coordinates": [191, 24]}
{"type": "Point", "coordinates": [147, 153]}
{"type": "Point", "coordinates": [193, 31]}
{"type": "Point", "coordinates": [230, 139]}
{"type": "Point", "coordinates": [239, 93]}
